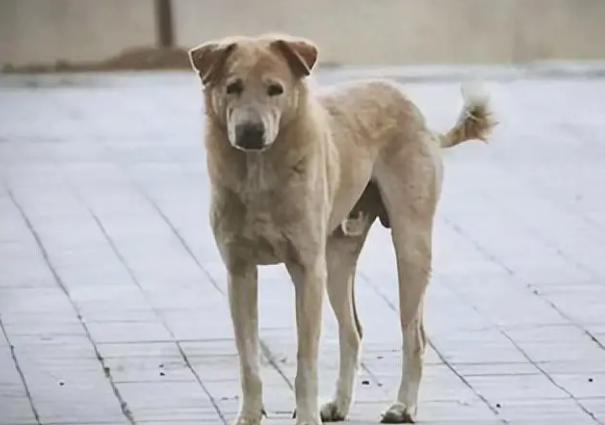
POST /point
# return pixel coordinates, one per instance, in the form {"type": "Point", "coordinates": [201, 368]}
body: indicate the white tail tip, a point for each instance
{"type": "Point", "coordinates": [475, 94]}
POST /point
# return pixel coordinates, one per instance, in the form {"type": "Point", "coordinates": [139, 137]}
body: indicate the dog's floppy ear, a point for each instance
{"type": "Point", "coordinates": [208, 58]}
{"type": "Point", "coordinates": [300, 53]}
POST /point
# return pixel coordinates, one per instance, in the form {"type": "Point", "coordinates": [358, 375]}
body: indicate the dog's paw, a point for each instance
{"type": "Point", "coordinates": [333, 412]}
{"type": "Point", "coordinates": [308, 422]}
{"type": "Point", "coordinates": [398, 413]}
{"type": "Point", "coordinates": [354, 226]}
{"type": "Point", "coordinates": [249, 418]}
{"type": "Point", "coordinates": [300, 421]}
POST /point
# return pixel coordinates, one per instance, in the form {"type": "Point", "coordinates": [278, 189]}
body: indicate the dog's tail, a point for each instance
{"type": "Point", "coordinates": [476, 120]}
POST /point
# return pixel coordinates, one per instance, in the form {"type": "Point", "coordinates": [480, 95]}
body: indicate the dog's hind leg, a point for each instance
{"type": "Point", "coordinates": [409, 181]}
{"type": "Point", "coordinates": [342, 255]}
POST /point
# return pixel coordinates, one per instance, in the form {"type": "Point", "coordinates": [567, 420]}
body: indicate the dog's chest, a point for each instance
{"type": "Point", "coordinates": [262, 234]}
{"type": "Point", "coordinates": [265, 217]}
{"type": "Point", "coordinates": [264, 240]}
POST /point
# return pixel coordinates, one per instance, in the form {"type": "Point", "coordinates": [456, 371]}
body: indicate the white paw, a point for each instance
{"type": "Point", "coordinates": [334, 411]}
{"type": "Point", "coordinates": [354, 226]}
{"type": "Point", "coordinates": [308, 422]}
{"type": "Point", "coordinates": [248, 418]}
{"type": "Point", "coordinates": [301, 421]}
{"type": "Point", "coordinates": [399, 413]}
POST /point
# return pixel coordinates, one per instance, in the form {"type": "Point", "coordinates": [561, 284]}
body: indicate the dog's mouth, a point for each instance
{"type": "Point", "coordinates": [251, 149]}
{"type": "Point", "coordinates": [251, 145]}
{"type": "Point", "coordinates": [250, 137]}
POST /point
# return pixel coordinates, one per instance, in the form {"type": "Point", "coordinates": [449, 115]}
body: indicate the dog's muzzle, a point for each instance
{"type": "Point", "coordinates": [250, 136]}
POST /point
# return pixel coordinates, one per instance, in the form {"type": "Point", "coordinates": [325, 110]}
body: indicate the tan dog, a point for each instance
{"type": "Point", "coordinates": [299, 178]}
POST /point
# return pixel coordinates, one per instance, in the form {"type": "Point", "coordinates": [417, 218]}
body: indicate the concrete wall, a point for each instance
{"type": "Point", "coordinates": [44, 31]}
{"type": "Point", "coordinates": [365, 31]}
{"type": "Point", "coordinates": [555, 29]}
{"type": "Point", "coordinates": [360, 32]}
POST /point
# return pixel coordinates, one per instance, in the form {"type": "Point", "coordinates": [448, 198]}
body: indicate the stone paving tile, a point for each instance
{"type": "Point", "coordinates": [112, 295]}
{"type": "Point", "coordinates": [14, 400]}
{"type": "Point", "coordinates": [168, 401]}
{"type": "Point", "coordinates": [596, 406]}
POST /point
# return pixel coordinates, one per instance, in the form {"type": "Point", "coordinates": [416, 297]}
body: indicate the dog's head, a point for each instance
{"type": "Point", "coordinates": [254, 86]}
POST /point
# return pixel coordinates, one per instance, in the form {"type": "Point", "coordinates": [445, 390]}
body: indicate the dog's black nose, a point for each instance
{"type": "Point", "coordinates": [250, 136]}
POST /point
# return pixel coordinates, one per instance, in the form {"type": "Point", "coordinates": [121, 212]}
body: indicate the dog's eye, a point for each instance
{"type": "Point", "coordinates": [235, 87]}
{"type": "Point", "coordinates": [275, 90]}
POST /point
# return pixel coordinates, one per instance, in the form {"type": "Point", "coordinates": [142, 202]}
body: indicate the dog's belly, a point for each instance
{"type": "Point", "coordinates": [353, 184]}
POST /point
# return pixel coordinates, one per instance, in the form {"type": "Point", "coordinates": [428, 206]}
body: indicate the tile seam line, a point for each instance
{"type": "Point", "coordinates": [520, 280]}
{"type": "Point", "coordinates": [132, 276]}
{"type": "Point", "coordinates": [528, 358]}
{"type": "Point", "coordinates": [123, 405]}
{"type": "Point", "coordinates": [134, 279]}
{"type": "Point", "coordinates": [546, 194]}
{"type": "Point", "coordinates": [21, 374]}
{"type": "Point", "coordinates": [479, 247]}
{"type": "Point", "coordinates": [161, 318]}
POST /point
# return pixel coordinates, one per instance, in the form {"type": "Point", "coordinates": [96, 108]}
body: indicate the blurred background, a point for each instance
{"type": "Point", "coordinates": [147, 33]}
{"type": "Point", "coordinates": [113, 297]}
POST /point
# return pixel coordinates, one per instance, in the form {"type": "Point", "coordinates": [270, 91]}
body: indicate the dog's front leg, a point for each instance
{"type": "Point", "coordinates": [309, 277]}
{"type": "Point", "coordinates": [243, 302]}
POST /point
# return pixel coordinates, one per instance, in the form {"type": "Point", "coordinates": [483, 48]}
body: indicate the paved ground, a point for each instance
{"type": "Point", "coordinates": [112, 298]}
